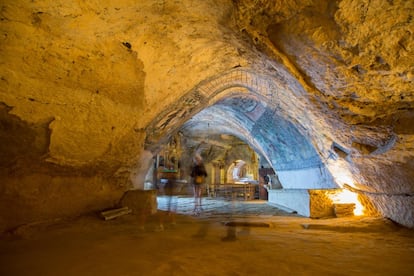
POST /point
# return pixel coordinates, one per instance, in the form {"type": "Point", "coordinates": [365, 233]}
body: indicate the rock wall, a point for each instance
{"type": "Point", "coordinates": [41, 197]}
{"type": "Point", "coordinates": [81, 84]}
{"type": "Point", "coordinates": [353, 59]}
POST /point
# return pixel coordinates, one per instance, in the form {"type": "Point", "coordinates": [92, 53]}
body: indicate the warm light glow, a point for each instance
{"type": "Point", "coordinates": [346, 196]}
{"type": "Point", "coordinates": [344, 178]}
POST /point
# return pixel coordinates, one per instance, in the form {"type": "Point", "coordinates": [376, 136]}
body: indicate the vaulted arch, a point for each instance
{"type": "Point", "coordinates": [254, 109]}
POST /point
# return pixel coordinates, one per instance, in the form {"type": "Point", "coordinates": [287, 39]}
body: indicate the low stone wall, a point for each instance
{"type": "Point", "coordinates": [308, 203]}
{"type": "Point", "coordinates": [321, 205]}
{"type": "Point", "coordinates": [291, 200]}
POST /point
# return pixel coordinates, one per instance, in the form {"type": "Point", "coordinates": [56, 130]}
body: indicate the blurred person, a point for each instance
{"type": "Point", "coordinates": [199, 174]}
{"type": "Point", "coordinates": [167, 187]}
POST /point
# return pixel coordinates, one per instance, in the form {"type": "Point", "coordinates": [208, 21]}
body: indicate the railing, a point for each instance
{"type": "Point", "coordinates": [233, 190]}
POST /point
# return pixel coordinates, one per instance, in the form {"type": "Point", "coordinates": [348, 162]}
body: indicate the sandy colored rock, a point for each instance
{"type": "Point", "coordinates": [91, 92]}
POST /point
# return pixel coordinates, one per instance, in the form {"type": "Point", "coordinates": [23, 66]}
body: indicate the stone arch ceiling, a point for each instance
{"type": "Point", "coordinates": [243, 115]}
{"type": "Point", "coordinates": [94, 87]}
{"type": "Point", "coordinates": [271, 135]}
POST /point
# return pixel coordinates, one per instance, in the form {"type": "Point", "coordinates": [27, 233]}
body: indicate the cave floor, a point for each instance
{"type": "Point", "coordinates": [262, 240]}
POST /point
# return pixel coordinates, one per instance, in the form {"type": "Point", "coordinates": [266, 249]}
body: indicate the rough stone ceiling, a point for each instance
{"type": "Point", "coordinates": [98, 86]}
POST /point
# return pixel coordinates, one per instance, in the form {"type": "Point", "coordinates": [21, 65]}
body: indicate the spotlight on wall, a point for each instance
{"type": "Point", "coordinates": [347, 196]}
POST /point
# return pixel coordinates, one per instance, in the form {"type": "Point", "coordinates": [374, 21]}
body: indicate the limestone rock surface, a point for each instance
{"type": "Point", "coordinates": [90, 91]}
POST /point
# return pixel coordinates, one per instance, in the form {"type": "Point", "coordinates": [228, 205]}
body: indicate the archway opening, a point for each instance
{"type": "Point", "coordinates": [280, 142]}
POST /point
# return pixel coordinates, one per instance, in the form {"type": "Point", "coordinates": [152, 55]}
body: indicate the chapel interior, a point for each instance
{"type": "Point", "coordinates": [307, 105]}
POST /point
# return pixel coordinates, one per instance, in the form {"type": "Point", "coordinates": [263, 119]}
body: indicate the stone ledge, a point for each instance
{"type": "Point", "coordinates": [313, 203]}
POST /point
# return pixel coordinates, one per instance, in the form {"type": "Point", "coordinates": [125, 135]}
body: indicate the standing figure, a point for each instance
{"type": "Point", "coordinates": [198, 173]}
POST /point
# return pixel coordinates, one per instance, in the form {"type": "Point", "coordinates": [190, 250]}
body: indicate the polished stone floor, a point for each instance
{"type": "Point", "coordinates": [220, 207]}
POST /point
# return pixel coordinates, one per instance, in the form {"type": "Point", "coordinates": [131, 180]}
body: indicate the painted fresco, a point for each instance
{"type": "Point", "coordinates": [293, 150]}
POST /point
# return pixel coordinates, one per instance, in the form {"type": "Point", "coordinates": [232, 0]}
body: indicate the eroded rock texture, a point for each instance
{"type": "Point", "coordinates": [90, 91]}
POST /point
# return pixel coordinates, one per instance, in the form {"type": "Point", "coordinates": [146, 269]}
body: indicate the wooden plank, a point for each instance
{"type": "Point", "coordinates": [114, 213]}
